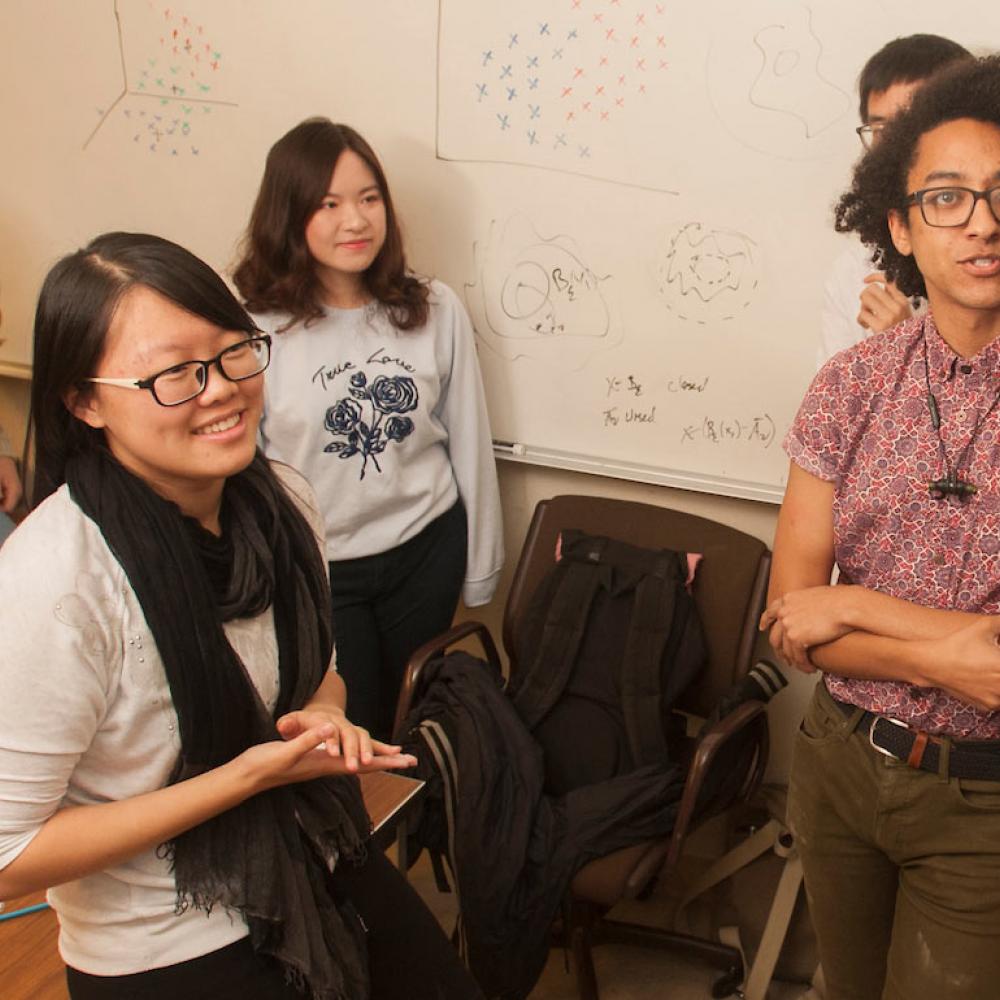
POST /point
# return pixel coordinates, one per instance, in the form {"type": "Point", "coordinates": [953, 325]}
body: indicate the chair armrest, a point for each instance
{"type": "Point", "coordinates": [425, 653]}
{"type": "Point", "coordinates": [750, 714]}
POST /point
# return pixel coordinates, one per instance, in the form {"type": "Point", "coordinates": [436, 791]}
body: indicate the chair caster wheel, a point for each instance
{"type": "Point", "coordinates": [727, 985]}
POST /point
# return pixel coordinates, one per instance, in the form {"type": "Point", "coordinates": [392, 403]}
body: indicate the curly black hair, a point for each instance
{"type": "Point", "coordinates": [967, 89]}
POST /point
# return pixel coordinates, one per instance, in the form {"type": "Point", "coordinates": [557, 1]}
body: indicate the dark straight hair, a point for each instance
{"type": "Point", "coordinates": [276, 272]}
{"type": "Point", "coordinates": [76, 306]}
{"type": "Point", "coordinates": [906, 60]}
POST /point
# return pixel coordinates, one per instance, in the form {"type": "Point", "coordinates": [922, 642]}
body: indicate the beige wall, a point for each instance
{"type": "Point", "coordinates": [521, 487]}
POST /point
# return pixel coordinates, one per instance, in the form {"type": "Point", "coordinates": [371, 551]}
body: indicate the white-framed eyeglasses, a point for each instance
{"type": "Point", "coordinates": [179, 383]}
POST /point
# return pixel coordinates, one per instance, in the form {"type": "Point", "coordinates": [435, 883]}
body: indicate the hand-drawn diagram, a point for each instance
{"type": "Point", "coordinates": [707, 275]}
{"type": "Point", "coordinates": [787, 82]}
{"type": "Point", "coordinates": [536, 297]}
{"type": "Point", "coordinates": [562, 85]}
{"type": "Point", "coordinates": [171, 87]}
{"type": "Point", "coordinates": [767, 83]}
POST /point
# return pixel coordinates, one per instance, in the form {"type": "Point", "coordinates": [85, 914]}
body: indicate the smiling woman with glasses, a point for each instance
{"type": "Point", "coordinates": [174, 754]}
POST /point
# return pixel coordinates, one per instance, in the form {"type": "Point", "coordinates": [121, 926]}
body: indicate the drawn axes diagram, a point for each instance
{"type": "Point", "coordinates": [536, 297]}
{"type": "Point", "coordinates": [767, 83]}
{"type": "Point", "coordinates": [707, 275]}
{"type": "Point", "coordinates": [170, 78]}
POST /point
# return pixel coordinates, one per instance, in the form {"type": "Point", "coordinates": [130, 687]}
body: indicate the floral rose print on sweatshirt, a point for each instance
{"type": "Point", "coordinates": [366, 421]}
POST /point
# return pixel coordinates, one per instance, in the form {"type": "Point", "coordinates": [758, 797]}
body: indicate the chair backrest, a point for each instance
{"type": "Point", "coordinates": [729, 589]}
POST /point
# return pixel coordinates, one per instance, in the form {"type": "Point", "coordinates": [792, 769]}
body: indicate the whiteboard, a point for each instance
{"type": "Point", "coordinates": [633, 198]}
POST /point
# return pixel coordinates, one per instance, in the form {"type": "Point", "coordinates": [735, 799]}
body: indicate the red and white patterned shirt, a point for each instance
{"type": "Point", "coordinates": [865, 425]}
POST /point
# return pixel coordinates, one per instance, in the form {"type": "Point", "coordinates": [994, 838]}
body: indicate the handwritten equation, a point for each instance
{"type": "Point", "coordinates": [616, 415]}
{"type": "Point", "coordinates": [758, 429]}
{"type": "Point", "coordinates": [631, 384]}
{"type": "Point", "coordinates": [627, 402]}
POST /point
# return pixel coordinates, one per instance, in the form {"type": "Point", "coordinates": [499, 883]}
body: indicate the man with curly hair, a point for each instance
{"type": "Point", "coordinates": [895, 478]}
{"type": "Point", "coordinates": [857, 299]}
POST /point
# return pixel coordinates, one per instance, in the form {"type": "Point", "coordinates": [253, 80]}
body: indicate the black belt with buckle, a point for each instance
{"type": "Point", "coordinates": [966, 758]}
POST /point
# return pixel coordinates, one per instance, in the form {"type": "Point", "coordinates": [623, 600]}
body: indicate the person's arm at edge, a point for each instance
{"type": "Point", "coordinates": [10, 481]}
{"type": "Point", "coordinates": [10, 484]}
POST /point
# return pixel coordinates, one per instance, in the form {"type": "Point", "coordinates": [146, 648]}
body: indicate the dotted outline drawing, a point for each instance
{"type": "Point", "coordinates": [130, 90]}
{"type": "Point", "coordinates": [712, 271]}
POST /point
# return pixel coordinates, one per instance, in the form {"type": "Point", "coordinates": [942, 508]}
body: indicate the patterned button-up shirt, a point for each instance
{"type": "Point", "coordinates": [865, 425]}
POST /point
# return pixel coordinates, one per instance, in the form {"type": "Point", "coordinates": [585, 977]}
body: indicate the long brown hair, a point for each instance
{"type": "Point", "coordinates": [276, 272]}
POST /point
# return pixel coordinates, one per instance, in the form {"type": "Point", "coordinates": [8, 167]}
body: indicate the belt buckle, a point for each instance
{"type": "Point", "coordinates": [871, 735]}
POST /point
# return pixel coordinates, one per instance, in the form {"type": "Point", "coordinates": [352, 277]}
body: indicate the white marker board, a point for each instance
{"type": "Point", "coordinates": [633, 198]}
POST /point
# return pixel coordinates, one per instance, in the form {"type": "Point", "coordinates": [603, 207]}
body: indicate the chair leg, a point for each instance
{"type": "Point", "coordinates": [585, 926]}
{"type": "Point", "coordinates": [722, 956]}
{"type": "Point", "coordinates": [581, 918]}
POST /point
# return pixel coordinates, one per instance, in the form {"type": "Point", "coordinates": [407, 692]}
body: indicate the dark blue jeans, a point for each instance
{"type": "Point", "coordinates": [386, 605]}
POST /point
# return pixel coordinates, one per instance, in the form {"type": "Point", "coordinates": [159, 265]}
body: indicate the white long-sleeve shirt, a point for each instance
{"type": "Point", "coordinates": [86, 717]}
{"type": "Point", "coordinates": [840, 328]}
{"type": "Point", "coordinates": [389, 427]}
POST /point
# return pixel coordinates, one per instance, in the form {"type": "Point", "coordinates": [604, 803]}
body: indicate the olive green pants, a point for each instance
{"type": "Point", "coordinates": [902, 867]}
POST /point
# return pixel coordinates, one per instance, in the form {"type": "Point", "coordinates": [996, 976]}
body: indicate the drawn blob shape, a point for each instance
{"type": "Point", "coordinates": [705, 275]}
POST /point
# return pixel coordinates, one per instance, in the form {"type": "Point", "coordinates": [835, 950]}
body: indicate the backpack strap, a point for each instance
{"type": "Point", "coordinates": [436, 740]}
{"type": "Point", "coordinates": [651, 621]}
{"type": "Point", "coordinates": [553, 661]}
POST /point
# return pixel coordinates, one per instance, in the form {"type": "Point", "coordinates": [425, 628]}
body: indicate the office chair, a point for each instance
{"type": "Point", "coordinates": [724, 763]}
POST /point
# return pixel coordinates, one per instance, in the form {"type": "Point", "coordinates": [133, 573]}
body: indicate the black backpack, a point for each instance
{"type": "Point", "coordinates": [610, 641]}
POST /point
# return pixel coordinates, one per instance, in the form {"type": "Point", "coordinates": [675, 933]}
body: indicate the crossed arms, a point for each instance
{"type": "Point", "coordinates": [856, 632]}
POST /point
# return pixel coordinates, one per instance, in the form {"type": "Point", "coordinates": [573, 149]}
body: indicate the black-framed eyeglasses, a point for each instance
{"type": "Point", "coordinates": [953, 206]}
{"type": "Point", "coordinates": [868, 133]}
{"type": "Point", "coordinates": [179, 383]}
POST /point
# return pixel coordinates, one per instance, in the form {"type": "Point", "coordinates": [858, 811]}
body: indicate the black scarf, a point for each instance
{"type": "Point", "coordinates": [269, 857]}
